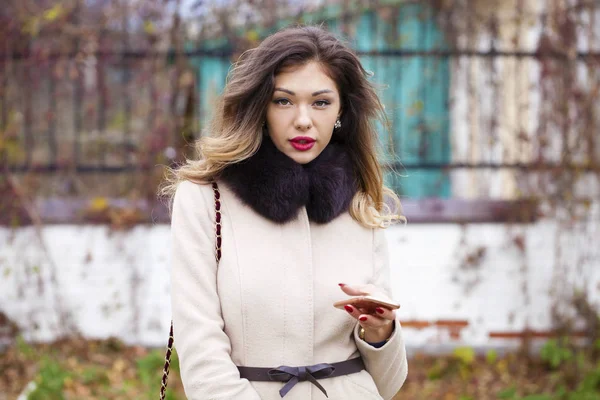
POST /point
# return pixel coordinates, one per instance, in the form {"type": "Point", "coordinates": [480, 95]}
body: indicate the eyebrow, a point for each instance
{"type": "Point", "coordinates": [318, 92]}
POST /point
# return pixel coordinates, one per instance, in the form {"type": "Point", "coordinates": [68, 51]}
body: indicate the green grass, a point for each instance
{"type": "Point", "coordinates": [50, 381]}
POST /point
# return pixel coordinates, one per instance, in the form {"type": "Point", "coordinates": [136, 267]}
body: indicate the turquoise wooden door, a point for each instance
{"type": "Point", "coordinates": [212, 72]}
{"type": "Point", "coordinates": [414, 90]}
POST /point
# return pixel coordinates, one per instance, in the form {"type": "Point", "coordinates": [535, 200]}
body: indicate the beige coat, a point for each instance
{"type": "Point", "coordinates": [269, 301]}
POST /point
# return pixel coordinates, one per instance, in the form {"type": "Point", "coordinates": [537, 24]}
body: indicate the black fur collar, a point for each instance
{"type": "Point", "coordinates": [277, 187]}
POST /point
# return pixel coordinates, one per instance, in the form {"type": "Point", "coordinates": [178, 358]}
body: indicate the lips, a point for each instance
{"type": "Point", "coordinates": [302, 143]}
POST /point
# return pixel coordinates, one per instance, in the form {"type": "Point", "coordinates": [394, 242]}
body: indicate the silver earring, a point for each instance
{"type": "Point", "coordinates": [338, 124]}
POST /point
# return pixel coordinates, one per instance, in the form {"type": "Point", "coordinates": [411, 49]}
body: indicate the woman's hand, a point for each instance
{"type": "Point", "coordinates": [378, 326]}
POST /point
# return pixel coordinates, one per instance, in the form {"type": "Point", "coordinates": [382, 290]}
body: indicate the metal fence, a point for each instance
{"type": "Point", "coordinates": [61, 111]}
{"type": "Point", "coordinates": [513, 113]}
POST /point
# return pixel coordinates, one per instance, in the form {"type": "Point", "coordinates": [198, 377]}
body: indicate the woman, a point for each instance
{"type": "Point", "coordinates": [292, 150]}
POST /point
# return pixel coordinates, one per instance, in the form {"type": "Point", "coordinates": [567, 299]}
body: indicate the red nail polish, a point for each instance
{"type": "Point", "coordinates": [348, 308]}
{"type": "Point", "coordinates": [380, 310]}
{"type": "Point", "coordinates": [363, 319]}
{"type": "Point", "coordinates": [342, 284]}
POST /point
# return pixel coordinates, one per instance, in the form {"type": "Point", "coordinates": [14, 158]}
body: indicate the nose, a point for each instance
{"type": "Point", "coordinates": [303, 121]}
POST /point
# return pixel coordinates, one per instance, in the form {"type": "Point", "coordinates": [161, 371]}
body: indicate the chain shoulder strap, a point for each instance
{"type": "Point", "coordinates": [218, 242]}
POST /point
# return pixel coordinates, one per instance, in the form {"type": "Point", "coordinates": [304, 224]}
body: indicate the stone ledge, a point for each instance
{"type": "Point", "coordinates": [421, 211]}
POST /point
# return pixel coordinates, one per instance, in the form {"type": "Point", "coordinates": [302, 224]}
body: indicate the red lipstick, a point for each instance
{"type": "Point", "coordinates": [302, 143]}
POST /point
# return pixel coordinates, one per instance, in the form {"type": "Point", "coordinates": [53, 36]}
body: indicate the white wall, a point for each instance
{"type": "Point", "coordinates": [116, 283]}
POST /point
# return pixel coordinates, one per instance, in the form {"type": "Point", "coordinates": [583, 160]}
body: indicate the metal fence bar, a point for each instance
{"type": "Point", "coordinates": [399, 167]}
{"type": "Point", "coordinates": [492, 53]}
{"type": "Point", "coordinates": [53, 115]}
{"type": "Point", "coordinates": [77, 97]}
{"type": "Point", "coordinates": [126, 66]}
{"type": "Point", "coordinates": [424, 136]}
{"type": "Point", "coordinates": [28, 111]}
{"type": "Point", "coordinates": [3, 109]}
{"type": "Point", "coordinates": [77, 115]}
{"type": "Point", "coordinates": [136, 54]}
{"type": "Point", "coordinates": [227, 52]}
{"type": "Point", "coordinates": [495, 166]}
{"type": "Point", "coordinates": [446, 141]}
{"type": "Point", "coordinates": [102, 97]}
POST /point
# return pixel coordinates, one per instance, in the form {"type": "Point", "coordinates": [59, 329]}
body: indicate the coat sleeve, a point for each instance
{"type": "Point", "coordinates": [388, 364]}
{"type": "Point", "coordinates": [207, 371]}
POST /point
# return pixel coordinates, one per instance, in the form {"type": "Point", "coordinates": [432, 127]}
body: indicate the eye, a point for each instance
{"type": "Point", "coordinates": [321, 103]}
{"type": "Point", "coordinates": [282, 102]}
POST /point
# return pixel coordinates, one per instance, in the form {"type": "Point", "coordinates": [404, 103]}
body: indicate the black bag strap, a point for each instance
{"type": "Point", "coordinates": [218, 241]}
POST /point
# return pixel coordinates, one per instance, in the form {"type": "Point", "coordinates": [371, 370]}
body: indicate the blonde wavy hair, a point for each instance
{"type": "Point", "coordinates": [236, 129]}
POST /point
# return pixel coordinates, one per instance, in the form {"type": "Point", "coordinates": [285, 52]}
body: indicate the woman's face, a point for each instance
{"type": "Point", "coordinates": [302, 112]}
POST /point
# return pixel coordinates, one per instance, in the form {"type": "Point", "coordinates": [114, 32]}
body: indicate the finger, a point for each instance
{"type": "Point", "coordinates": [369, 321]}
{"type": "Point", "coordinates": [353, 311]}
{"type": "Point", "coordinates": [365, 310]}
{"type": "Point", "coordinates": [355, 290]}
{"type": "Point", "coordinates": [385, 313]}
{"type": "Point", "coordinates": [378, 310]}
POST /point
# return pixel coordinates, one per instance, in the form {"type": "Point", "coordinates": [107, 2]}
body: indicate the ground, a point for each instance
{"type": "Point", "coordinates": [110, 370]}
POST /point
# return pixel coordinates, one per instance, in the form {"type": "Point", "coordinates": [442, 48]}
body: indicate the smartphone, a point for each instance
{"type": "Point", "coordinates": [367, 302]}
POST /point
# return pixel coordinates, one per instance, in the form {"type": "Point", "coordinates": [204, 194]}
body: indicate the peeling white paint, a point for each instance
{"type": "Point", "coordinates": [116, 283]}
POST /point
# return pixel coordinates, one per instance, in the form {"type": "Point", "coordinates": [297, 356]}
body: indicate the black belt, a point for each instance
{"type": "Point", "coordinates": [293, 375]}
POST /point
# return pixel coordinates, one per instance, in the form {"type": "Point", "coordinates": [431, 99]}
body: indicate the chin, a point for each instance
{"type": "Point", "coordinates": [303, 157]}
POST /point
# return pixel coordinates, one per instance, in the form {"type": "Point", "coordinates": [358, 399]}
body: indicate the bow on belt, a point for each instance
{"type": "Point", "coordinates": [293, 375]}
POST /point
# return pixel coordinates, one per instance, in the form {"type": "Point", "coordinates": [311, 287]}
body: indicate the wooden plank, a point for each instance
{"type": "Point", "coordinates": [435, 210]}
{"type": "Point", "coordinates": [424, 211]}
{"type": "Point", "coordinates": [531, 334]}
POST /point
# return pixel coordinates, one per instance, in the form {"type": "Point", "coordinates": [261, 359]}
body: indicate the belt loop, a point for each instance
{"type": "Point", "coordinates": [301, 374]}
